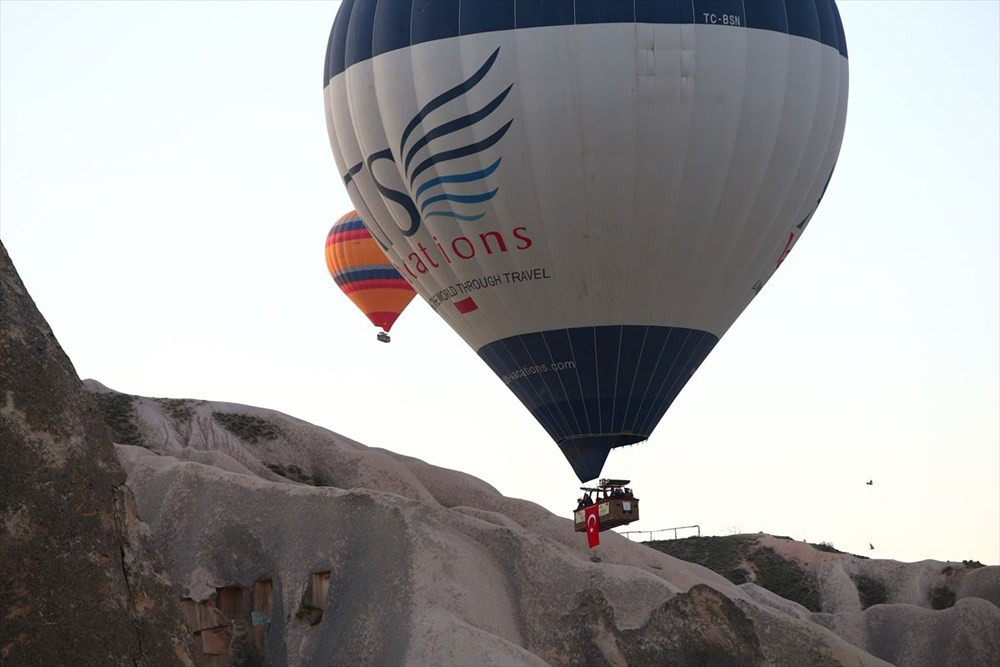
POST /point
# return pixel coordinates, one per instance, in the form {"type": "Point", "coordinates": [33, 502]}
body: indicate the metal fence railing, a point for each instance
{"type": "Point", "coordinates": [627, 533]}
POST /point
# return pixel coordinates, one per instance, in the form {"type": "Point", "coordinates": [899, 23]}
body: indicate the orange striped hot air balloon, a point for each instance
{"type": "Point", "coordinates": [365, 275]}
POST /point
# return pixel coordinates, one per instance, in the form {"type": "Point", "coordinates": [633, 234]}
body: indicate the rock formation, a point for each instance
{"type": "Point", "coordinates": [80, 581]}
{"type": "Point", "coordinates": [326, 551]}
{"type": "Point", "coordinates": [927, 613]}
{"type": "Point", "coordinates": [287, 544]}
{"type": "Point", "coordinates": [372, 557]}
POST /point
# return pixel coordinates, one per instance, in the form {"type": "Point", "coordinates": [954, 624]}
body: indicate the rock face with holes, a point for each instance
{"type": "Point", "coordinates": [375, 558]}
{"type": "Point", "coordinates": [80, 581]}
{"type": "Point", "coordinates": [297, 546]}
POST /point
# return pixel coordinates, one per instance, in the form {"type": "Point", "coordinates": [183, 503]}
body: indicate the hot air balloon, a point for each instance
{"type": "Point", "coordinates": [365, 275]}
{"type": "Point", "coordinates": [589, 192]}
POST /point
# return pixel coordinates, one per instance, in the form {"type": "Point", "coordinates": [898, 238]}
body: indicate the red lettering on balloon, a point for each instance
{"type": "Point", "coordinates": [527, 241]}
{"type": "Point", "coordinates": [454, 247]}
{"type": "Point", "coordinates": [495, 235]}
{"type": "Point", "coordinates": [464, 248]}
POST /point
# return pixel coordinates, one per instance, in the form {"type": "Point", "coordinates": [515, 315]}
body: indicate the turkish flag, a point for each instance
{"type": "Point", "coordinates": [593, 526]}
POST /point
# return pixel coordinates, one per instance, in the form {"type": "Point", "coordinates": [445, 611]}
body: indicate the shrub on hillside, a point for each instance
{"type": "Point", "coordinates": [720, 554]}
{"type": "Point", "coordinates": [870, 591]}
{"type": "Point", "coordinates": [827, 547]}
{"type": "Point", "coordinates": [730, 555]}
{"type": "Point", "coordinates": [179, 409]}
{"type": "Point", "coordinates": [118, 412]}
{"type": "Point", "coordinates": [785, 577]}
{"type": "Point", "coordinates": [248, 427]}
{"type": "Point", "coordinates": [296, 474]}
{"type": "Point", "coordinates": [942, 597]}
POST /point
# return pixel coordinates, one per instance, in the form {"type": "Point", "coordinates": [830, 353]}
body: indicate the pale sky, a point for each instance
{"type": "Point", "coordinates": [166, 186]}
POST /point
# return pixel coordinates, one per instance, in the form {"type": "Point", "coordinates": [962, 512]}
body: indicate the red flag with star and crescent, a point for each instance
{"type": "Point", "coordinates": [593, 526]}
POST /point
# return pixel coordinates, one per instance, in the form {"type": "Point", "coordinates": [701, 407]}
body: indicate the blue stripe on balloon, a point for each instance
{"type": "Point", "coordinates": [596, 388]}
{"type": "Point", "coordinates": [452, 214]}
{"type": "Point", "coordinates": [463, 151]}
{"type": "Point", "coordinates": [433, 19]}
{"type": "Point", "coordinates": [372, 272]}
{"type": "Point", "coordinates": [454, 126]}
{"type": "Point", "coordinates": [349, 225]}
{"type": "Point", "coordinates": [448, 96]}
{"type": "Point", "coordinates": [461, 199]}
{"type": "Point", "coordinates": [358, 44]}
{"type": "Point", "coordinates": [458, 178]}
{"type": "Point", "coordinates": [360, 32]}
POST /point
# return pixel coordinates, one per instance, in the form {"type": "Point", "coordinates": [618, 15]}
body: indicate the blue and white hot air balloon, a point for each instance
{"type": "Point", "coordinates": [589, 192]}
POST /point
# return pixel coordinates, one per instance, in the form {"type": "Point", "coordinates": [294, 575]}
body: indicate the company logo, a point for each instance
{"type": "Point", "coordinates": [434, 191]}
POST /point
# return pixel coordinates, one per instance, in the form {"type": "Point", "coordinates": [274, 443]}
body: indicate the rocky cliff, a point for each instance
{"type": "Point", "coordinates": [295, 545]}
{"type": "Point", "coordinates": [339, 551]}
{"type": "Point", "coordinates": [80, 581]}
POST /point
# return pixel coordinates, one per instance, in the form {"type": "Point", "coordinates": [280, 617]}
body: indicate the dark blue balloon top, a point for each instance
{"type": "Point", "coordinates": [364, 29]}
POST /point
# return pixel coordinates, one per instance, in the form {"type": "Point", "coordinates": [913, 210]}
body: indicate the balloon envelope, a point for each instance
{"type": "Point", "coordinates": [588, 192]}
{"type": "Point", "coordinates": [364, 274]}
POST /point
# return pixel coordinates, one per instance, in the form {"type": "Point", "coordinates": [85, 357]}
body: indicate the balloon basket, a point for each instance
{"type": "Point", "coordinates": [616, 505]}
{"type": "Point", "coordinates": [383, 337]}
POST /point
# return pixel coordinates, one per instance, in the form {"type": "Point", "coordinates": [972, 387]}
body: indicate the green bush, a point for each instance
{"type": "Point", "coordinates": [295, 474]}
{"type": "Point", "coordinates": [179, 409]}
{"type": "Point", "coordinates": [942, 597]}
{"type": "Point", "coordinates": [785, 578]}
{"type": "Point", "coordinates": [827, 547]}
{"type": "Point", "coordinates": [870, 591]}
{"type": "Point", "coordinates": [737, 576]}
{"type": "Point", "coordinates": [118, 411]}
{"type": "Point", "coordinates": [729, 556]}
{"type": "Point", "coordinates": [248, 427]}
{"type": "Point", "coordinates": [720, 554]}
